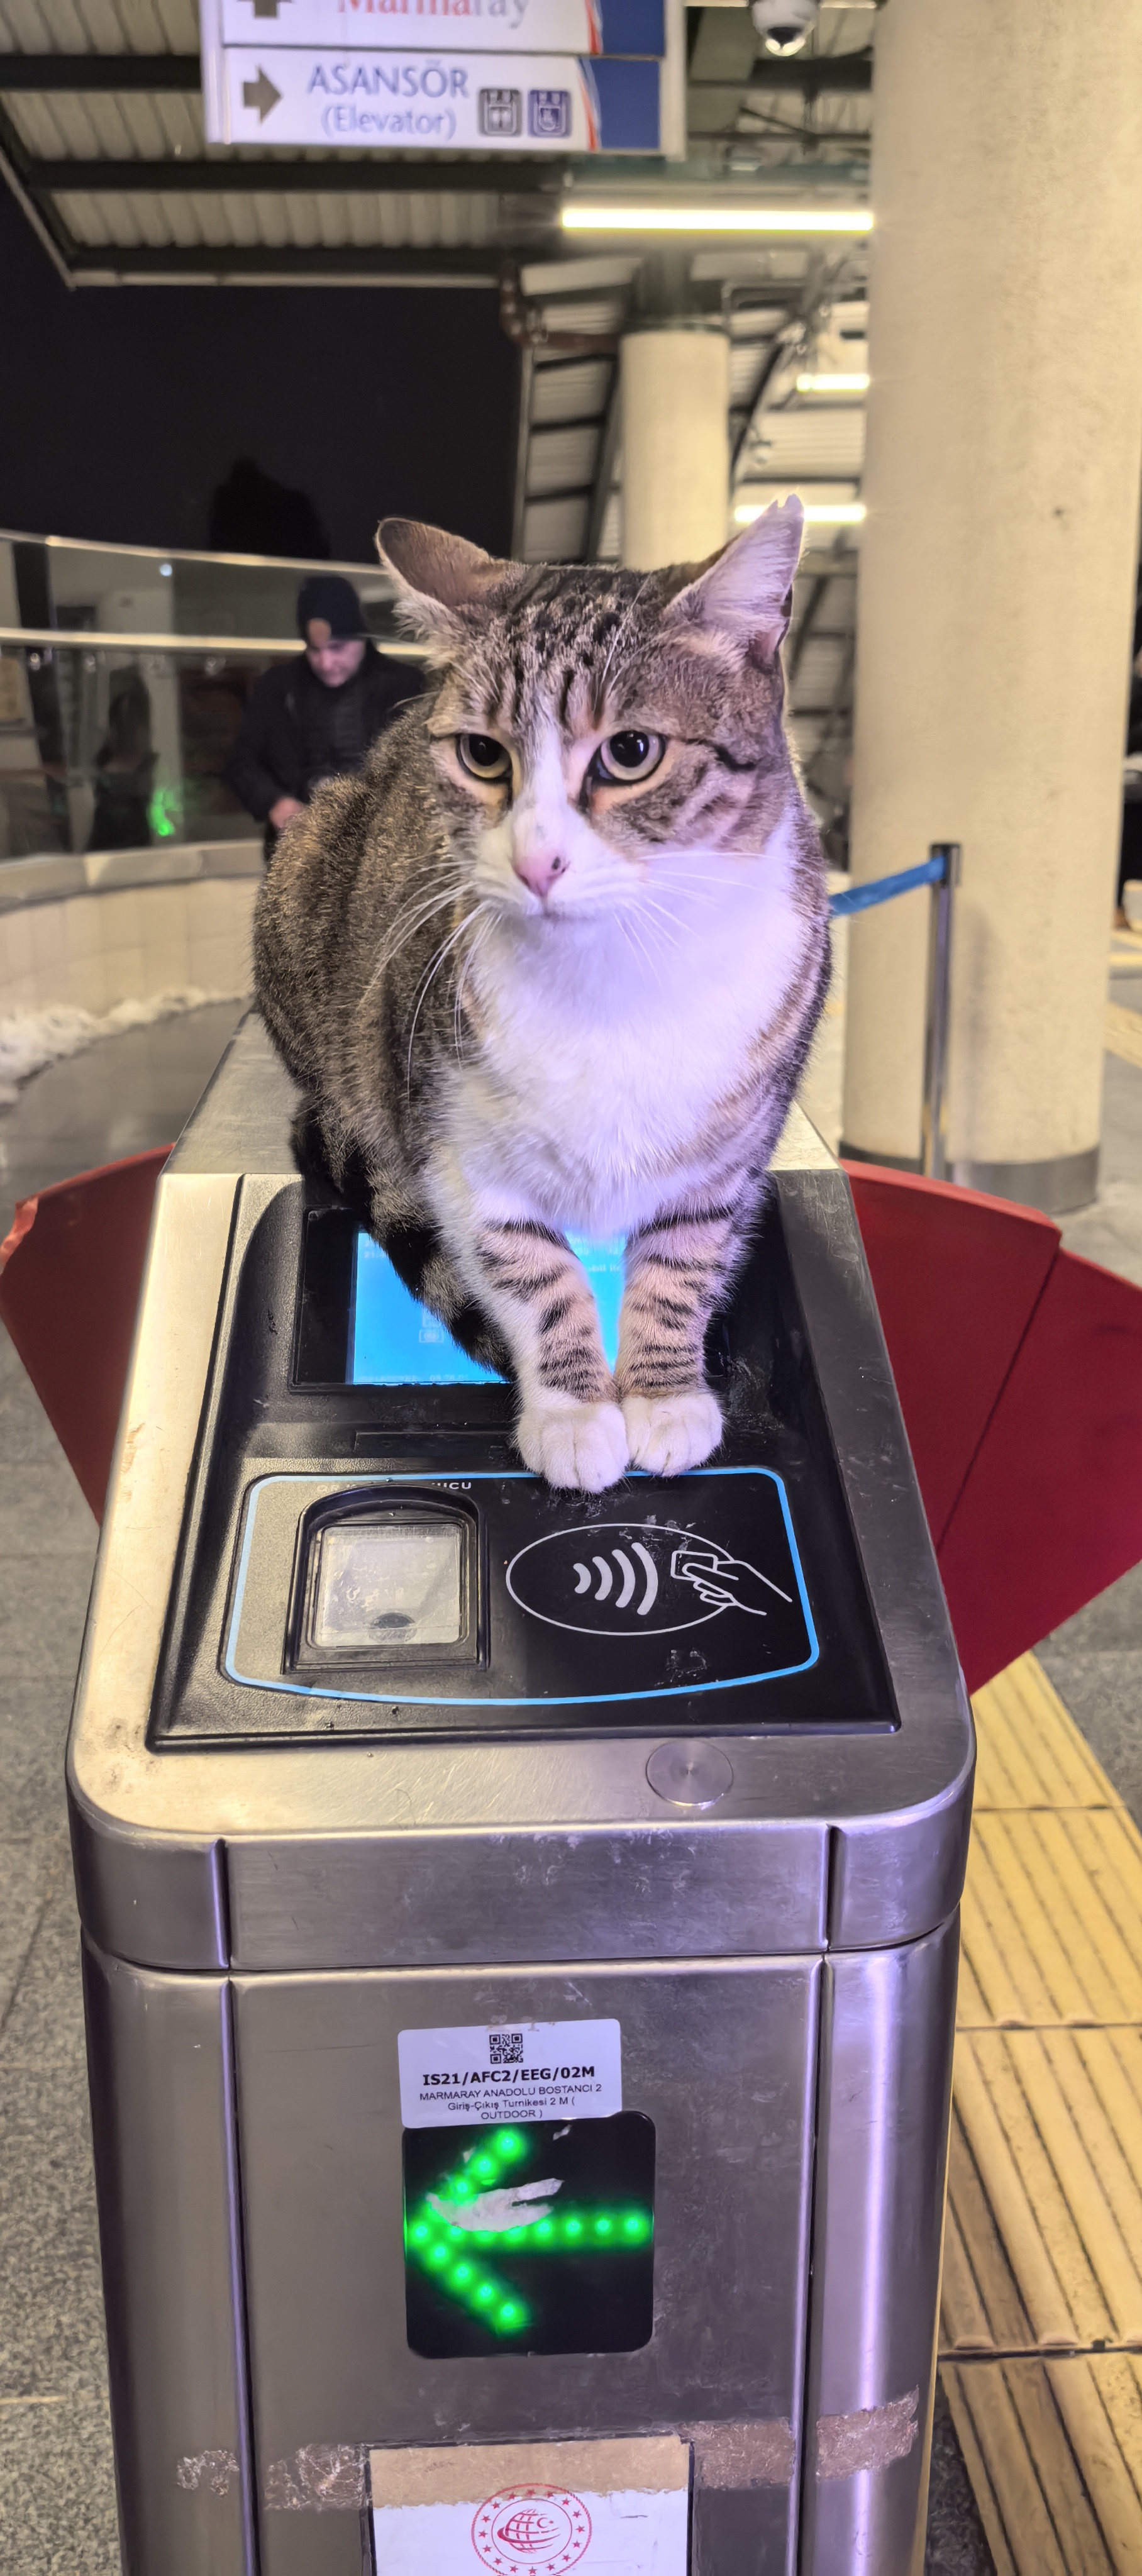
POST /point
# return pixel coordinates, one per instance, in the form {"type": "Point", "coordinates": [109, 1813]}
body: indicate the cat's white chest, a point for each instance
{"type": "Point", "coordinates": [594, 1086]}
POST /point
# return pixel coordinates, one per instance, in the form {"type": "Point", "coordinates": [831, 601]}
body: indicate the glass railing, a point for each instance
{"type": "Point", "coordinates": [124, 678]}
{"type": "Point", "coordinates": [54, 582]}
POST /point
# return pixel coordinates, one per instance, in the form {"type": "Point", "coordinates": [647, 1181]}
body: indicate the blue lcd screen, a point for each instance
{"type": "Point", "coordinates": [394, 1341]}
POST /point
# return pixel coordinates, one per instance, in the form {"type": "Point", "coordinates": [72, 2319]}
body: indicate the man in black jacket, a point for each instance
{"type": "Point", "coordinates": [316, 716]}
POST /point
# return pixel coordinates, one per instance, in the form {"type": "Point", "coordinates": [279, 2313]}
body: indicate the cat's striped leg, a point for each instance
{"type": "Point", "coordinates": [676, 1268]}
{"type": "Point", "coordinates": [537, 1294]}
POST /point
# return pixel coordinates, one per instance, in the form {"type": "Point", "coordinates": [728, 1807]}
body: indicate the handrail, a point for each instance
{"type": "Point", "coordinates": [941, 871]}
{"type": "Point", "coordinates": [200, 555]}
{"type": "Point", "coordinates": [86, 639]}
{"type": "Point", "coordinates": [861, 898]}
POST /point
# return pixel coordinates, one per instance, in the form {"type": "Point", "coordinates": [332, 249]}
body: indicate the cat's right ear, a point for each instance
{"type": "Point", "coordinates": [438, 576]}
{"type": "Point", "coordinates": [746, 592]}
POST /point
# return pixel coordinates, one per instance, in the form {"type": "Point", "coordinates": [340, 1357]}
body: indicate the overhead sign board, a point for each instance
{"type": "Point", "coordinates": [485, 76]}
{"type": "Point", "coordinates": [436, 101]}
{"type": "Point", "coordinates": [468, 26]}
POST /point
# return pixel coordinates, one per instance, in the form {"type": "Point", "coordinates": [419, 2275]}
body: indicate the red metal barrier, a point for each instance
{"type": "Point", "coordinates": [70, 1273]}
{"type": "Point", "coordinates": [1019, 1369]}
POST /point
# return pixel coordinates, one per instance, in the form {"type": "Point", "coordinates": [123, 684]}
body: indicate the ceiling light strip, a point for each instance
{"type": "Point", "coordinates": [585, 218]}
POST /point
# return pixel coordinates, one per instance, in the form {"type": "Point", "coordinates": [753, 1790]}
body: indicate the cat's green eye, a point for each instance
{"type": "Point", "coordinates": [484, 758]}
{"type": "Point", "coordinates": [624, 758]}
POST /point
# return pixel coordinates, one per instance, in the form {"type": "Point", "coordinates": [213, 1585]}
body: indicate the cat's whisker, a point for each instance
{"type": "Point", "coordinates": [405, 930]}
{"type": "Point", "coordinates": [616, 638]}
{"type": "Point", "coordinates": [420, 909]}
{"type": "Point", "coordinates": [427, 979]}
{"type": "Point", "coordinates": [409, 921]}
{"type": "Point", "coordinates": [634, 941]}
{"type": "Point", "coordinates": [481, 937]}
{"type": "Point", "coordinates": [669, 919]}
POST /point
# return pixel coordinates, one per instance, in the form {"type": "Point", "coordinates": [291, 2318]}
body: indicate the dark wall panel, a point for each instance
{"type": "Point", "coordinates": [124, 407]}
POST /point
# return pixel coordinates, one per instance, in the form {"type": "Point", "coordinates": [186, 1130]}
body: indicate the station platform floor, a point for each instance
{"type": "Point", "coordinates": [1027, 2476]}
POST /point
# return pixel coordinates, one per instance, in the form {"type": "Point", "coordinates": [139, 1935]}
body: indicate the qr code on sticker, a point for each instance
{"type": "Point", "coordinates": [505, 2047]}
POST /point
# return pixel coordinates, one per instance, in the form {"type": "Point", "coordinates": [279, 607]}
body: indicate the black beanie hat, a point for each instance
{"type": "Point", "coordinates": [328, 596]}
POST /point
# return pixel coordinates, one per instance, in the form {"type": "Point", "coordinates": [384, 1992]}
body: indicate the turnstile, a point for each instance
{"type": "Point", "coordinates": [520, 1928]}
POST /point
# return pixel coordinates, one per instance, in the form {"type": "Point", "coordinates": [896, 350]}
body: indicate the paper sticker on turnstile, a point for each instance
{"type": "Point", "coordinates": [533, 2509]}
{"type": "Point", "coordinates": [536, 2070]}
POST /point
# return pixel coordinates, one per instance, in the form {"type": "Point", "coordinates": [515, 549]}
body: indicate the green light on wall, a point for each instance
{"type": "Point", "coordinates": [451, 2253]}
{"type": "Point", "coordinates": [165, 813]}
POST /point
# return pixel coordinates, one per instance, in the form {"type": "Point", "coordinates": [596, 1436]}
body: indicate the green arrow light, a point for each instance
{"type": "Point", "coordinates": [451, 2254]}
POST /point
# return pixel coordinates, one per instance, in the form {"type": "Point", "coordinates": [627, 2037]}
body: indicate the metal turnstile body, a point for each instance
{"type": "Point", "coordinates": [655, 1800]}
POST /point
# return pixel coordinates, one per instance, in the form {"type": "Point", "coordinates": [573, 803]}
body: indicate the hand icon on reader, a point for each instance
{"type": "Point", "coordinates": [722, 1581]}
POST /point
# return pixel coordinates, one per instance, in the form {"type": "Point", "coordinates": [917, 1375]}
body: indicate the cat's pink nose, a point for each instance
{"type": "Point", "coordinates": [539, 868]}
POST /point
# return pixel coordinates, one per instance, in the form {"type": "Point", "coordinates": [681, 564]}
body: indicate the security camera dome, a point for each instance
{"type": "Point", "coordinates": [784, 24]}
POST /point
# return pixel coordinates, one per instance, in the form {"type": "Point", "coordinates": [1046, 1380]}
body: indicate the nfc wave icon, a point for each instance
{"type": "Point", "coordinates": [645, 1580]}
{"type": "Point", "coordinates": [600, 1567]}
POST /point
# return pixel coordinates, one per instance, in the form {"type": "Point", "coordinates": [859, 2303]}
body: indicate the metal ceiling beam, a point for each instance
{"type": "Point", "coordinates": [117, 264]}
{"type": "Point", "coordinates": [327, 178]}
{"type": "Point", "coordinates": [78, 72]}
{"type": "Point", "coordinates": [812, 75]}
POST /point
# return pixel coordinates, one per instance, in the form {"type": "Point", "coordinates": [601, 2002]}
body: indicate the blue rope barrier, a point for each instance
{"type": "Point", "coordinates": [861, 898]}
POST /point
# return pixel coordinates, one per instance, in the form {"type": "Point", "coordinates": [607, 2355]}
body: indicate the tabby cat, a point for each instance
{"type": "Point", "coordinates": [551, 964]}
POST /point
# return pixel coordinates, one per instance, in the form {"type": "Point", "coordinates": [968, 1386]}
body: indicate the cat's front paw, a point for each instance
{"type": "Point", "coordinates": [583, 1445]}
{"type": "Point", "coordinates": [666, 1434]}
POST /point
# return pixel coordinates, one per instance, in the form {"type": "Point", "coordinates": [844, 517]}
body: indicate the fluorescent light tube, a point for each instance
{"type": "Point", "coordinates": [838, 384]}
{"type": "Point", "coordinates": [586, 218]}
{"type": "Point", "coordinates": [818, 514]}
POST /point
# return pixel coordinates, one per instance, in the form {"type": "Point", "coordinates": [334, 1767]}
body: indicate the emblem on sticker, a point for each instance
{"type": "Point", "coordinates": [637, 1579]}
{"type": "Point", "coordinates": [531, 2531]}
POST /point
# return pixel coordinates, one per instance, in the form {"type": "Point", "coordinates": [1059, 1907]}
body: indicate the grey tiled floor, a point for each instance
{"type": "Point", "coordinates": [57, 2504]}
{"type": "Point", "coordinates": [56, 2482]}
{"type": "Point", "coordinates": [57, 2491]}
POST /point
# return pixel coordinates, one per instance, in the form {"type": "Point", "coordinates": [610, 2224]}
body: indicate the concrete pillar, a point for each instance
{"type": "Point", "coordinates": [675, 385]}
{"type": "Point", "coordinates": [997, 570]}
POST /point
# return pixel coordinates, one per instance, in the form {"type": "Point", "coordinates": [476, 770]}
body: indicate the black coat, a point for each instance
{"type": "Point", "coordinates": [289, 736]}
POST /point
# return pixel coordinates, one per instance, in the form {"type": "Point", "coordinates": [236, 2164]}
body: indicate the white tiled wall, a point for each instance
{"type": "Point", "coordinates": [128, 943]}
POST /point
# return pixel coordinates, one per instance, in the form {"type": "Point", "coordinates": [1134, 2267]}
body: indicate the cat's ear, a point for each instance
{"type": "Point", "coordinates": [438, 576]}
{"type": "Point", "coordinates": [746, 591]}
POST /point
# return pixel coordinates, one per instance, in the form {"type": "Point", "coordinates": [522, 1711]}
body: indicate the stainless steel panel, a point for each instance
{"type": "Point", "coordinates": [159, 1904]}
{"type": "Point", "coordinates": [722, 2059]}
{"type": "Point", "coordinates": [163, 2126]}
{"type": "Point", "coordinates": [902, 1819]}
{"type": "Point", "coordinates": [162, 1903]}
{"type": "Point", "coordinates": [454, 1899]}
{"type": "Point", "coordinates": [886, 2051]}
{"type": "Point", "coordinates": [149, 1824]}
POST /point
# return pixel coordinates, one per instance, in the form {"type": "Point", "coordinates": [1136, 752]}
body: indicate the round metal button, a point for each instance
{"type": "Point", "coordinates": [690, 1773]}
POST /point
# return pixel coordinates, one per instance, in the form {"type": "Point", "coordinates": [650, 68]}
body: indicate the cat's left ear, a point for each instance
{"type": "Point", "coordinates": [747, 590]}
{"type": "Point", "coordinates": [439, 576]}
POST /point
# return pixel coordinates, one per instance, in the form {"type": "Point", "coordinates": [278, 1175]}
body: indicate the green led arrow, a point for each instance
{"type": "Point", "coordinates": [443, 2235]}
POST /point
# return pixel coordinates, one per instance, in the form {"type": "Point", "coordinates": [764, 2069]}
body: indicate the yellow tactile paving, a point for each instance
{"type": "Point", "coordinates": [1041, 2316]}
{"type": "Point", "coordinates": [1034, 2502]}
{"type": "Point", "coordinates": [1031, 1753]}
{"type": "Point", "coordinates": [1052, 1919]}
{"type": "Point", "coordinates": [1123, 1032]}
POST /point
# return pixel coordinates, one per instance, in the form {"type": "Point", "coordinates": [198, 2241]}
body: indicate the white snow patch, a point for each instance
{"type": "Point", "coordinates": [29, 1040]}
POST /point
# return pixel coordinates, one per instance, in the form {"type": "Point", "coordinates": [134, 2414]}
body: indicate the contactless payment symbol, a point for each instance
{"type": "Point", "coordinates": [637, 1579]}
{"type": "Point", "coordinates": [531, 2531]}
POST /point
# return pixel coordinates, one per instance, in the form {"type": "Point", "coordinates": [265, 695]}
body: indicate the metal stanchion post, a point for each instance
{"type": "Point", "coordinates": [934, 1126]}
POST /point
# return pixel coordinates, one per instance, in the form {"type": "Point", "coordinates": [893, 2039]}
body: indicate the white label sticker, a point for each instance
{"type": "Point", "coordinates": [532, 2070]}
